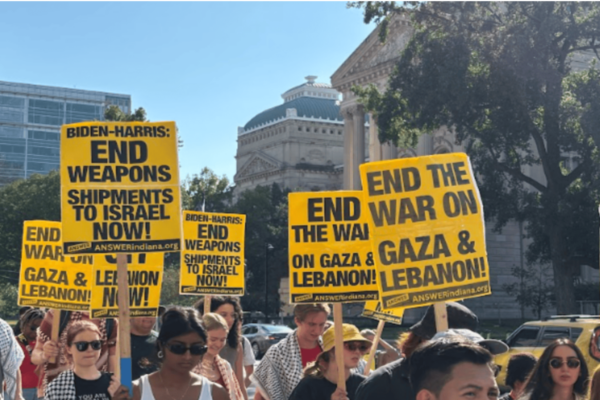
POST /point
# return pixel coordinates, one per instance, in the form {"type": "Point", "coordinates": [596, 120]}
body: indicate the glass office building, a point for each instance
{"type": "Point", "coordinates": [30, 120]}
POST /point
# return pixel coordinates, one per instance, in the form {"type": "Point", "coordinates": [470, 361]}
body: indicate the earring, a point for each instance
{"type": "Point", "coordinates": [159, 354]}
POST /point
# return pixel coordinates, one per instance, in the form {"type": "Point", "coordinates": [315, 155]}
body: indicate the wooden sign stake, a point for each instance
{"type": "Point", "coordinates": [380, 326]}
{"type": "Point", "coordinates": [207, 300]}
{"type": "Point", "coordinates": [338, 321]}
{"type": "Point", "coordinates": [441, 317]}
{"type": "Point", "coordinates": [54, 334]}
{"type": "Point", "coordinates": [124, 331]}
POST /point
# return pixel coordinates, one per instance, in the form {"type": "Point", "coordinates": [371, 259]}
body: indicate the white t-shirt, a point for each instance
{"type": "Point", "coordinates": [248, 353]}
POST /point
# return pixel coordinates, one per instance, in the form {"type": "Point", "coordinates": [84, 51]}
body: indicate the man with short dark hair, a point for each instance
{"type": "Point", "coordinates": [519, 367]}
{"type": "Point", "coordinates": [391, 380]}
{"type": "Point", "coordinates": [452, 368]}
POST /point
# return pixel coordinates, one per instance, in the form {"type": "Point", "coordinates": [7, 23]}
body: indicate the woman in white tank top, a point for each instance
{"type": "Point", "coordinates": [180, 346]}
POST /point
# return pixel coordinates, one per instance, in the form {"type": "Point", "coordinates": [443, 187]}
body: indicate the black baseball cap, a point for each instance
{"type": "Point", "coordinates": [459, 317]}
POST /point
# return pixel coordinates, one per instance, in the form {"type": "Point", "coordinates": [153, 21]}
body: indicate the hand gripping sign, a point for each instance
{"type": "Point", "coordinates": [213, 254]}
{"type": "Point", "coordinates": [427, 229]}
{"type": "Point", "coordinates": [329, 249]}
{"type": "Point", "coordinates": [144, 276]}
{"type": "Point", "coordinates": [120, 187]}
{"type": "Point", "coordinates": [48, 278]}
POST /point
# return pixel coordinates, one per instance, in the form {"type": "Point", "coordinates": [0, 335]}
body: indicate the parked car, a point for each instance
{"type": "Point", "coordinates": [534, 336]}
{"type": "Point", "coordinates": [263, 336]}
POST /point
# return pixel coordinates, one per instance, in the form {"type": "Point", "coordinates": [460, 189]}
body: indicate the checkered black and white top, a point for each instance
{"type": "Point", "coordinates": [62, 387]}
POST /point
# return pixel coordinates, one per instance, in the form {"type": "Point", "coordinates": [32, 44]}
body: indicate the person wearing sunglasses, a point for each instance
{"type": "Point", "coordinates": [212, 366]}
{"type": "Point", "coordinates": [85, 380]}
{"type": "Point", "coordinates": [29, 322]}
{"type": "Point", "coordinates": [560, 374]}
{"type": "Point", "coordinates": [180, 346]}
{"type": "Point", "coordinates": [320, 378]}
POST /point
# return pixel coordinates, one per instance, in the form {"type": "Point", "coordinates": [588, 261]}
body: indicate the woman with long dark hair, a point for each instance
{"type": "Point", "coordinates": [180, 346]}
{"type": "Point", "coordinates": [28, 324]}
{"type": "Point", "coordinates": [560, 374]}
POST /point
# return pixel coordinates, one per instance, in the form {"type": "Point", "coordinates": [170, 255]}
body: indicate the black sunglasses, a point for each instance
{"type": "Point", "coordinates": [356, 346]}
{"type": "Point", "coordinates": [83, 346]}
{"type": "Point", "coordinates": [179, 349]}
{"type": "Point", "coordinates": [572, 363]}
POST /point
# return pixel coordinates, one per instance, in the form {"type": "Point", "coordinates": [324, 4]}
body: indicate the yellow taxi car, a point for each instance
{"type": "Point", "coordinates": [534, 336]}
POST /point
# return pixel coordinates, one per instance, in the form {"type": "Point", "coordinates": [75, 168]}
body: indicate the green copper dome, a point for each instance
{"type": "Point", "coordinates": [306, 107]}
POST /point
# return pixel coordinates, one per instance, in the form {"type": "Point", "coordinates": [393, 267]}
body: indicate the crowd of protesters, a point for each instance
{"type": "Point", "coordinates": [189, 355]}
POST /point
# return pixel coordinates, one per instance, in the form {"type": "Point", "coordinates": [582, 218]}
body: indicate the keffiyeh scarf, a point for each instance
{"type": "Point", "coordinates": [11, 357]}
{"type": "Point", "coordinates": [62, 387]}
{"type": "Point", "coordinates": [231, 384]}
{"type": "Point", "coordinates": [280, 370]}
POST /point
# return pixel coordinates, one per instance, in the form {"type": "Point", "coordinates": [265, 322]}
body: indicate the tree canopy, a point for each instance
{"type": "Point", "coordinates": [503, 77]}
{"type": "Point", "coordinates": [34, 198]}
{"type": "Point", "coordinates": [114, 113]}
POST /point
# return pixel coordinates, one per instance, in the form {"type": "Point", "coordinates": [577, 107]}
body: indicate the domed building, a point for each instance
{"type": "Point", "coordinates": [298, 144]}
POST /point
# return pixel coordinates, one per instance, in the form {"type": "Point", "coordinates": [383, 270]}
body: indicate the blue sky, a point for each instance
{"type": "Point", "coordinates": [208, 66]}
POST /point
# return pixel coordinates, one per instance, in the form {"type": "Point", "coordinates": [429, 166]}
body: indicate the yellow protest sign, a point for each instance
{"type": "Point", "coordinates": [213, 254]}
{"type": "Point", "coordinates": [330, 258]}
{"type": "Point", "coordinates": [120, 187]}
{"type": "Point", "coordinates": [427, 229]}
{"type": "Point", "coordinates": [48, 278]}
{"type": "Point", "coordinates": [144, 273]}
{"type": "Point", "coordinates": [373, 310]}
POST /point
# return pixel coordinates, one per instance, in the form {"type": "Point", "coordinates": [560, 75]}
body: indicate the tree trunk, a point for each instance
{"type": "Point", "coordinates": [563, 276]}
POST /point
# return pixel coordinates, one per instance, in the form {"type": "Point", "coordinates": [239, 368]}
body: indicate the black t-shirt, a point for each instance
{"type": "Point", "coordinates": [311, 388]}
{"type": "Point", "coordinates": [94, 389]}
{"type": "Point", "coordinates": [387, 382]}
{"type": "Point", "coordinates": [142, 349]}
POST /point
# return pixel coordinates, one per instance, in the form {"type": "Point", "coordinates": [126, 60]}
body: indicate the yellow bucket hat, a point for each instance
{"type": "Point", "coordinates": [351, 334]}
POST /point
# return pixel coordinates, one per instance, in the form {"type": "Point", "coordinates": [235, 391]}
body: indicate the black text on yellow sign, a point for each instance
{"type": "Point", "coordinates": [144, 277]}
{"type": "Point", "coordinates": [213, 254]}
{"type": "Point", "coordinates": [427, 227]}
{"type": "Point", "coordinates": [120, 187]}
{"type": "Point", "coordinates": [329, 249]}
{"type": "Point", "coordinates": [47, 277]}
{"type": "Point", "coordinates": [374, 310]}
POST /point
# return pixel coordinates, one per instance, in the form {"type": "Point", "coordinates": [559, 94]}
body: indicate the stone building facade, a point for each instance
{"type": "Point", "coordinates": [298, 144]}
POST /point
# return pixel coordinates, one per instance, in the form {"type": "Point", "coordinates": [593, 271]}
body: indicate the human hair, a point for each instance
{"type": "Point", "coordinates": [408, 342]}
{"type": "Point", "coordinates": [519, 367]}
{"type": "Point", "coordinates": [233, 337]}
{"type": "Point", "coordinates": [30, 315]}
{"type": "Point", "coordinates": [595, 385]}
{"type": "Point", "coordinates": [177, 321]}
{"type": "Point", "coordinates": [540, 385]}
{"type": "Point", "coordinates": [81, 326]}
{"type": "Point", "coordinates": [318, 368]}
{"type": "Point", "coordinates": [431, 364]}
{"type": "Point", "coordinates": [23, 310]}
{"type": "Point", "coordinates": [301, 311]}
{"type": "Point", "coordinates": [214, 321]}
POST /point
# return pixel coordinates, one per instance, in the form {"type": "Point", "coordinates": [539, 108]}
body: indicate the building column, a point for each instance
{"type": "Point", "coordinates": [359, 144]}
{"type": "Point", "coordinates": [348, 148]}
{"type": "Point", "coordinates": [425, 145]}
{"type": "Point", "coordinates": [379, 151]}
{"type": "Point", "coordinates": [375, 147]}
